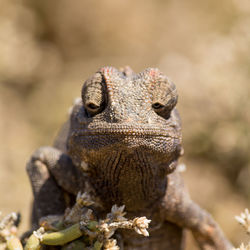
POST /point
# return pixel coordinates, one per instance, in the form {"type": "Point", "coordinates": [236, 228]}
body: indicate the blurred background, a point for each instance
{"type": "Point", "coordinates": [48, 48]}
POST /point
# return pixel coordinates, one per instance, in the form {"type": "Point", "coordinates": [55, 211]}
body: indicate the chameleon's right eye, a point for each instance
{"type": "Point", "coordinates": [164, 97]}
{"type": "Point", "coordinates": [93, 95]}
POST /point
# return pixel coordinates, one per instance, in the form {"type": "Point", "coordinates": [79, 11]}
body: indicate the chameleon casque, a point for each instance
{"type": "Point", "coordinates": [124, 139]}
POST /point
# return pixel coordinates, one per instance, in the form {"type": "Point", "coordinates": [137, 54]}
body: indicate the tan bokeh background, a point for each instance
{"type": "Point", "coordinates": [48, 48]}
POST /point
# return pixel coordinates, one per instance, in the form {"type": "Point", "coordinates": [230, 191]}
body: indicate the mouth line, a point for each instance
{"type": "Point", "coordinates": [125, 131]}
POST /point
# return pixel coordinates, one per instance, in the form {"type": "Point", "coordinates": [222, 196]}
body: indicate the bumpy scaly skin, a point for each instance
{"type": "Point", "coordinates": [124, 140]}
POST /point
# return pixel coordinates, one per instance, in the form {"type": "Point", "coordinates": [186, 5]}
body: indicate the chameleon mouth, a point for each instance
{"type": "Point", "coordinates": [127, 130]}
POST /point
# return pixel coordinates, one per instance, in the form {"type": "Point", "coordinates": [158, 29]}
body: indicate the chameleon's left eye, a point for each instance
{"type": "Point", "coordinates": [92, 107]}
{"type": "Point", "coordinates": [157, 105]}
{"type": "Point", "coordinates": [93, 95]}
{"type": "Point", "coordinates": [164, 98]}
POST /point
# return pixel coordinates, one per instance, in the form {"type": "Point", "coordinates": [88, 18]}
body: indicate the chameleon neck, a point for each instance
{"type": "Point", "coordinates": [128, 179]}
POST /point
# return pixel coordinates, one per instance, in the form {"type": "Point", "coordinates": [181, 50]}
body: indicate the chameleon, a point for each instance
{"type": "Point", "coordinates": [123, 139]}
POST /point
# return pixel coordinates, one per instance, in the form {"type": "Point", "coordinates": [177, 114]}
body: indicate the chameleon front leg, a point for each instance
{"type": "Point", "coordinates": [51, 172]}
{"type": "Point", "coordinates": [181, 210]}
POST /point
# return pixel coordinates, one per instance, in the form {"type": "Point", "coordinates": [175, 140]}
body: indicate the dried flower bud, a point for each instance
{"type": "Point", "coordinates": [140, 225]}
{"type": "Point", "coordinates": [111, 244]}
{"type": "Point", "coordinates": [117, 213]}
{"type": "Point", "coordinates": [106, 229]}
{"type": "Point", "coordinates": [84, 199]}
{"type": "Point", "coordinates": [244, 220]}
{"type": "Point", "coordinates": [39, 233]}
{"type": "Point", "coordinates": [243, 247]}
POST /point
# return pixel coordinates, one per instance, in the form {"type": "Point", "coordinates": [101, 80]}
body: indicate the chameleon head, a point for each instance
{"type": "Point", "coordinates": [129, 113]}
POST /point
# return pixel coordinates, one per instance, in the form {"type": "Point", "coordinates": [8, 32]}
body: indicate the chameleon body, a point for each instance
{"type": "Point", "coordinates": [124, 139]}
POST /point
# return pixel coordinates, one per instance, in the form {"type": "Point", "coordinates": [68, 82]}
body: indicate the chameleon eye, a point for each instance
{"type": "Point", "coordinates": [92, 108]}
{"type": "Point", "coordinates": [93, 95]}
{"type": "Point", "coordinates": [164, 98]}
{"type": "Point", "coordinates": [157, 105]}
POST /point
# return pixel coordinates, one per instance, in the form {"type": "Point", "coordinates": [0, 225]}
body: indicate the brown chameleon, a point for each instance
{"type": "Point", "coordinates": [124, 139]}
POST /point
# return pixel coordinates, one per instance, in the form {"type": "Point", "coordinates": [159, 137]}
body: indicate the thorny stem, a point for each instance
{"type": "Point", "coordinates": [97, 233]}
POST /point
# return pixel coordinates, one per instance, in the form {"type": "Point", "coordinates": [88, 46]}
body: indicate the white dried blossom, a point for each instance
{"type": "Point", "coordinates": [84, 199]}
{"type": "Point", "coordinates": [244, 220]}
{"type": "Point", "coordinates": [8, 219]}
{"type": "Point", "coordinates": [7, 226]}
{"type": "Point", "coordinates": [39, 233]}
{"type": "Point", "coordinates": [117, 213]}
{"type": "Point", "coordinates": [140, 225]}
{"type": "Point", "coordinates": [243, 247]}
{"type": "Point", "coordinates": [80, 211]}
{"type": "Point", "coordinates": [110, 244]}
{"type": "Point", "coordinates": [4, 233]}
{"type": "Point", "coordinates": [106, 229]}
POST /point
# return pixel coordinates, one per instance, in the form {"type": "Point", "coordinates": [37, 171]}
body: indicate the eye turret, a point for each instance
{"type": "Point", "coordinates": [93, 95]}
{"type": "Point", "coordinates": [164, 97]}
